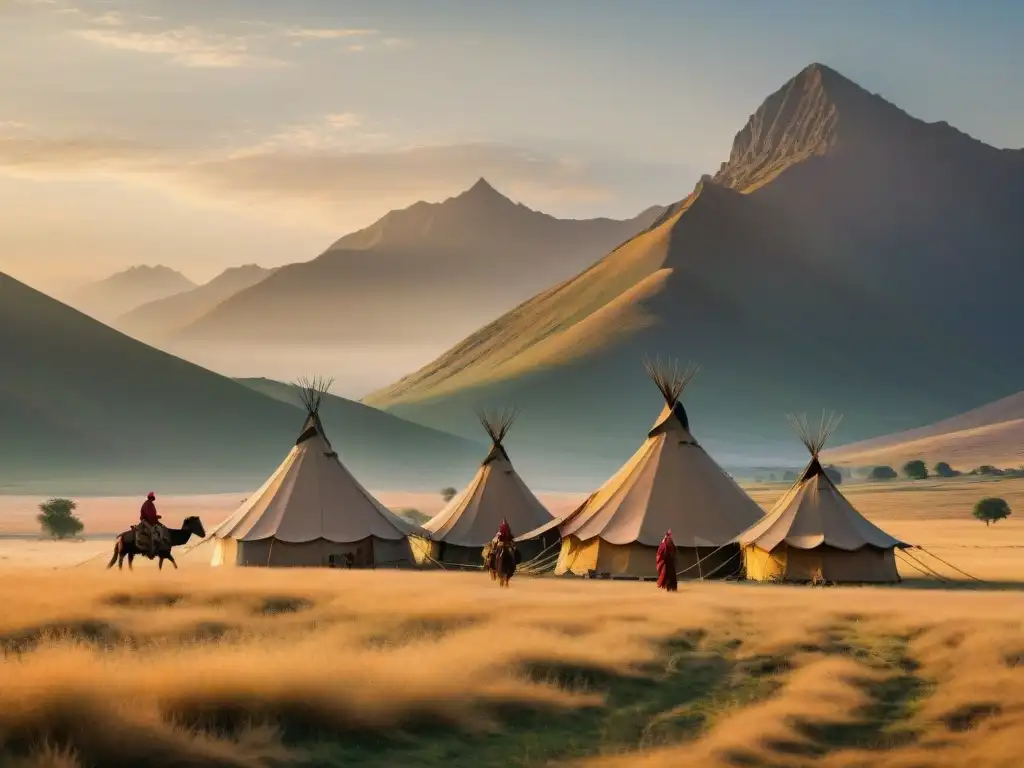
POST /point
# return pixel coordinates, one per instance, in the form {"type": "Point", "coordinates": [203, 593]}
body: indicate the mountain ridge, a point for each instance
{"type": "Point", "coordinates": [162, 317]}
{"type": "Point", "coordinates": [789, 276]}
{"type": "Point", "coordinates": [472, 254]}
{"type": "Point", "coordinates": [116, 294]}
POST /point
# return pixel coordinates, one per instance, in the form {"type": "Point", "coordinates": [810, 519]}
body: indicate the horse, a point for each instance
{"type": "Point", "coordinates": [505, 560]}
{"type": "Point", "coordinates": [124, 545]}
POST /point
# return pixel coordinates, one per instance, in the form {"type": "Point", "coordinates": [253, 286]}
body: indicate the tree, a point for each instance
{"type": "Point", "coordinates": [991, 510]}
{"type": "Point", "coordinates": [57, 519]}
{"type": "Point", "coordinates": [413, 515]}
{"type": "Point", "coordinates": [883, 473]}
{"type": "Point", "coordinates": [448, 494]}
{"type": "Point", "coordinates": [916, 470]}
{"type": "Point", "coordinates": [833, 474]}
{"type": "Point", "coordinates": [942, 469]}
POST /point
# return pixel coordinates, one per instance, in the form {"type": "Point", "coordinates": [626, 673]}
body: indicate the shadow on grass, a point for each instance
{"type": "Point", "coordinates": [665, 702]}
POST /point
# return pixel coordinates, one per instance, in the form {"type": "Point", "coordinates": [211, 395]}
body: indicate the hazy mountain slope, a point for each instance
{"type": "Point", "coordinates": [431, 270]}
{"type": "Point", "coordinates": [386, 441]}
{"type": "Point", "coordinates": [108, 299]}
{"type": "Point", "coordinates": [846, 256]}
{"type": "Point", "coordinates": [160, 319]}
{"type": "Point", "coordinates": [84, 408]}
{"type": "Point", "coordinates": [991, 434]}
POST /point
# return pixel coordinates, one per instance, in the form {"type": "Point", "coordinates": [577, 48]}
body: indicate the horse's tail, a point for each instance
{"type": "Point", "coordinates": [117, 551]}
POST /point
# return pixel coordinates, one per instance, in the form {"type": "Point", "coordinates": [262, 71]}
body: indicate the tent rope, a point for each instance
{"type": "Point", "coordinates": [950, 565]}
{"type": "Point", "coordinates": [732, 557]}
{"type": "Point", "coordinates": [917, 565]}
{"type": "Point", "coordinates": [701, 560]}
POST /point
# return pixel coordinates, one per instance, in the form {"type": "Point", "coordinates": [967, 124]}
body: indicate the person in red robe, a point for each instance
{"type": "Point", "coordinates": [666, 562]}
{"type": "Point", "coordinates": [505, 532]}
{"type": "Point", "coordinates": [148, 516]}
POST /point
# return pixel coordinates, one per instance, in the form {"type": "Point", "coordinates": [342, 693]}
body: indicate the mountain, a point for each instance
{"type": "Point", "coordinates": [108, 299]}
{"type": "Point", "coordinates": [433, 270]}
{"type": "Point", "coordinates": [847, 255]}
{"type": "Point", "coordinates": [162, 318]}
{"type": "Point", "coordinates": [992, 434]}
{"type": "Point", "coordinates": [86, 409]}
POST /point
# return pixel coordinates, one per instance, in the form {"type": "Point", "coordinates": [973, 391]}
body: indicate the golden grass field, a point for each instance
{"type": "Point", "coordinates": [269, 668]}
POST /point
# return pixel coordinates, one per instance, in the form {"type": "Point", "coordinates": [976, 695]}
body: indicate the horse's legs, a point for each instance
{"type": "Point", "coordinates": [170, 557]}
{"type": "Point", "coordinates": [160, 563]}
{"type": "Point", "coordinates": [131, 559]}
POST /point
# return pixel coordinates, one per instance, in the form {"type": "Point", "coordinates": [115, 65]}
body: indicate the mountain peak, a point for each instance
{"type": "Point", "coordinates": [482, 190]}
{"type": "Point", "coordinates": [808, 116]}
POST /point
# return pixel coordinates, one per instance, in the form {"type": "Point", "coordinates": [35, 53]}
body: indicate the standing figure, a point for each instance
{"type": "Point", "coordinates": [149, 521]}
{"type": "Point", "coordinates": [666, 561]}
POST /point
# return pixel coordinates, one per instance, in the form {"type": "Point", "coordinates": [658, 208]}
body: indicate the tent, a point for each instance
{"type": "Point", "coordinates": [312, 511]}
{"type": "Point", "coordinates": [459, 532]}
{"type": "Point", "coordinates": [670, 483]}
{"type": "Point", "coordinates": [814, 534]}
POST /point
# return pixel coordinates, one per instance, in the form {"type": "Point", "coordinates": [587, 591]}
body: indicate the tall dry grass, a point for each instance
{"type": "Point", "coordinates": [270, 668]}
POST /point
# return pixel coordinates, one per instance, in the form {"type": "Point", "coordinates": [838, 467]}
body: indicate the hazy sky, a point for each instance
{"type": "Point", "coordinates": [207, 133]}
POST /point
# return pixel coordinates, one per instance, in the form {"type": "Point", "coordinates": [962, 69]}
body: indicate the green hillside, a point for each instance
{"type": "Point", "coordinates": [86, 409]}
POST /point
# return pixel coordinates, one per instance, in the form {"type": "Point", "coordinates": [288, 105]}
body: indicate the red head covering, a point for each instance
{"type": "Point", "coordinates": [504, 531]}
{"type": "Point", "coordinates": [150, 495]}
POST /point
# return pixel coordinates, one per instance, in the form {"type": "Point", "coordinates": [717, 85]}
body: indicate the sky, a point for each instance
{"type": "Point", "coordinates": [203, 134]}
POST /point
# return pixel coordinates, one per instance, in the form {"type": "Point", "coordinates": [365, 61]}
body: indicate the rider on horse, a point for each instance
{"type": "Point", "coordinates": [149, 522]}
{"type": "Point", "coordinates": [505, 534]}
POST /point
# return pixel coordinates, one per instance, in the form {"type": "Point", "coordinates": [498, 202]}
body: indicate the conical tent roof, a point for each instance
{"type": "Point", "coordinates": [669, 483]}
{"type": "Point", "coordinates": [495, 493]}
{"type": "Point", "coordinates": [312, 496]}
{"type": "Point", "coordinates": [813, 512]}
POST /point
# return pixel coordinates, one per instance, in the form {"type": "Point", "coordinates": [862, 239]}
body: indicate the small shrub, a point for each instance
{"type": "Point", "coordinates": [883, 473]}
{"type": "Point", "coordinates": [989, 471]}
{"type": "Point", "coordinates": [942, 469]}
{"type": "Point", "coordinates": [448, 494]}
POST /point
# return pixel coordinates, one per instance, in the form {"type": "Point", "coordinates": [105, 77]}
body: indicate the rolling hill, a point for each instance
{"type": "Point", "coordinates": [161, 319]}
{"type": "Point", "coordinates": [430, 271]}
{"type": "Point", "coordinates": [108, 299]}
{"type": "Point", "coordinates": [992, 434]}
{"type": "Point", "coordinates": [86, 409]}
{"type": "Point", "coordinates": [847, 255]}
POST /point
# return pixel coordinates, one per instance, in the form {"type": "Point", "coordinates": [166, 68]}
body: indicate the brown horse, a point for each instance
{"type": "Point", "coordinates": [501, 562]}
{"type": "Point", "coordinates": [125, 546]}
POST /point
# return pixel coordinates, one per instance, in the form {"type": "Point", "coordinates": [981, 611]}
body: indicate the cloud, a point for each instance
{"type": "Point", "coordinates": [308, 172]}
{"type": "Point", "coordinates": [344, 120]}
{"type": "Point", "coordinates": [188, 46]}
{"type": "Point", "coordinates": [331, 33]}
{"type": "Point", "coordinates": [395, 42]}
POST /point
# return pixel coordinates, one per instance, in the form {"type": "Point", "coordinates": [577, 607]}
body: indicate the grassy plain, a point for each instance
{"type": "Point", "coordinates": [320, 668]}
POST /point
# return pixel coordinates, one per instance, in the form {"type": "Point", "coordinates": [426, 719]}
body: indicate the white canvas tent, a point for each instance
{"type": "Point", "coordinates": [670, 483]}
{"type": "Point", "coordinates": [459, 532]}
{"type": "Point", "coordinates": [813, 533]}
{"type": "Point", "coordinates": [312, 511]}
